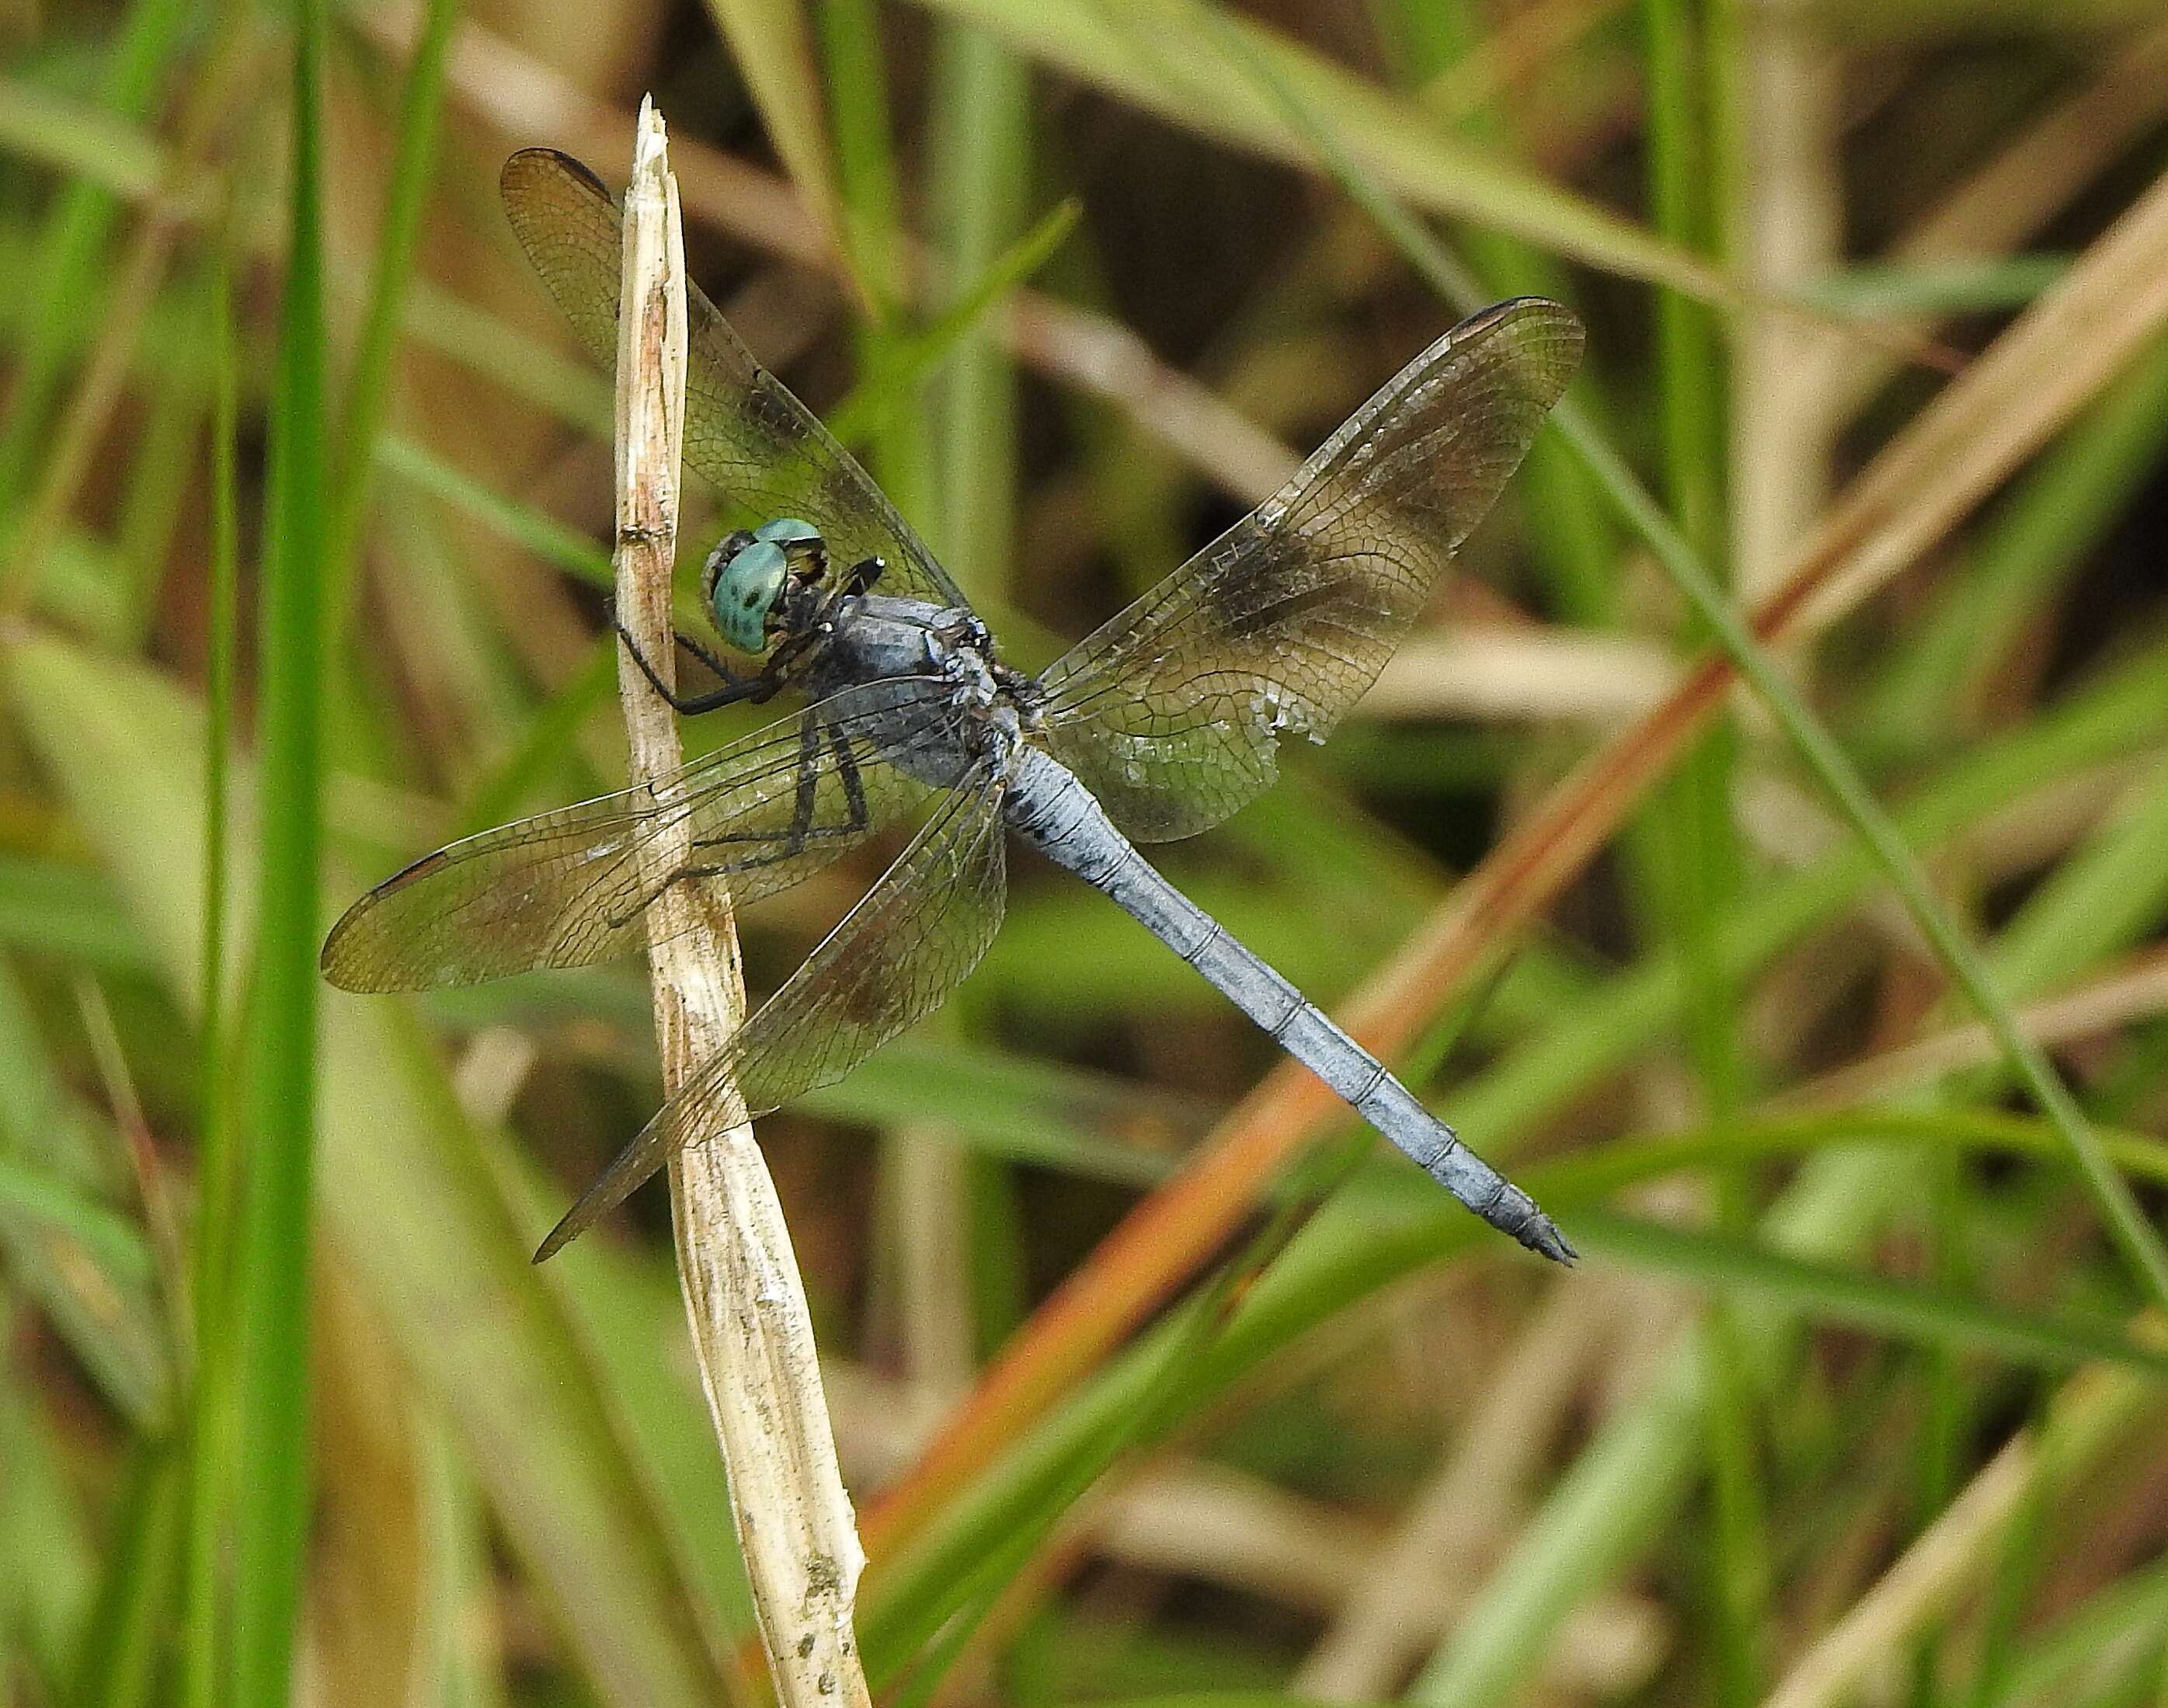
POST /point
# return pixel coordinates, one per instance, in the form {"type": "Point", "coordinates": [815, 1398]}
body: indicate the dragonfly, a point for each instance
{"type": "Point", "coordinates": [1157, 726]}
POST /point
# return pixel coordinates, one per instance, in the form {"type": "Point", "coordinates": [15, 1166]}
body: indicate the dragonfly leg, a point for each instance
{"type": "Point", "coordinates": [734, 688]}
{"type": "Point", "coordinates": [856, 815]}
{"type": "Point", "coordinates": [792, 840]}
{"type": "Point", "coordinates": [706, 655]}
{"type": "Point", "coordinates": [847, 771]}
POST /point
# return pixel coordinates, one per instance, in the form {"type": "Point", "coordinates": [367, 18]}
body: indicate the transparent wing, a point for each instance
{"type": "Point", "coordinates": [758, 446]}
{"type": "Point", "coordinates": [1172, 711]}
{"type": "Point", "coordinates": [573, 886]}
{"type": "Point", "coordinates": [891, 962]}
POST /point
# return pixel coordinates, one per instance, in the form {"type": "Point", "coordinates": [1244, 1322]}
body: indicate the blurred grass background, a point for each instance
{"type": "Point", "coordinates": [1857, 1396]}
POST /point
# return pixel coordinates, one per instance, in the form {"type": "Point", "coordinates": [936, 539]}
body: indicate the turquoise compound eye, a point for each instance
{"type": "Point", "coordinates": [746, 591]}
{"type": "Point", "coordinates": [787, 530]}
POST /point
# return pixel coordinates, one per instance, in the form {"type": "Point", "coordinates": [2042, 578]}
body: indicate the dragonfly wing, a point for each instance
{"type": "Point", "coordinates": [1172, 712]}
{"type": "Point", "coordinates": [758, 446]}
{"type": "Point", "coordinates": [892, 961]}
{"type": "Point", "coordinates": [573, 885]}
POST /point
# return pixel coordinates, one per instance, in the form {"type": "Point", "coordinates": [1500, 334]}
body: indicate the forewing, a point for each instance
{"type": "Point", "coordinates": [1172, 712]}
{"type": "Point", "coordinates": [912, 940]}
{"type": "Point", "coordinates": [763, 451]}
{"type": "Point", "coordinates": [573, 885]}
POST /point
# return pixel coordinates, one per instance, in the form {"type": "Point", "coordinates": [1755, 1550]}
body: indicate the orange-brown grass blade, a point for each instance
{"type": "Point", "coordinates": [1970, 439]}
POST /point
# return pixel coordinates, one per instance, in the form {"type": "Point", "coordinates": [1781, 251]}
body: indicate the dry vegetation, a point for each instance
{"type": "Point", "coordinates": [1762, 851]}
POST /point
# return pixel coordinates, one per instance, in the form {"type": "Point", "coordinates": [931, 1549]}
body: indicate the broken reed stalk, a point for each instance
{"type": "Point", "coordinates": [746, 1304]}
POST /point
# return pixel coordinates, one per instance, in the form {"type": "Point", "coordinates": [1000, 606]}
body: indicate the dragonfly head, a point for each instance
{"type": "Point", "coordinates": [745, 576]}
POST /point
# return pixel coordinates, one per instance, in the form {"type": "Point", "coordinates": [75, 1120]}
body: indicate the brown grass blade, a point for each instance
{"type": "Point", "coordinates": [751, 1329]}
{"type": "Point", "coordinates": [1972, 437]}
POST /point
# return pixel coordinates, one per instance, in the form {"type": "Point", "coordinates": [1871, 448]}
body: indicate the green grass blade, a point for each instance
{"type": "Point", "coordinates": [71, 249]}
{"type": "Point", "coordinates": [1997, 283]}
{"type": "Point", "coordinates": [1932, 1316]}
{"type": "Point", "coordinates": [271, 1256]}
{"type": "Point", "coordinates": [1684, 847]}
{"type": "Point", "coordinates": [543, 536]}
{"type": "Point", "coordinates": [1570, 537]}
{"type": "Point", "coordinates": [123, 1648]}
{"type": "Point", "coordinates": [980, 176]}
{"type": "Point", "coordinates": [873, 237]}
{"type": "Point", "coordinates": [550, 735]}
{"type": "Point", "coordinates": [60, 908]}
{"type": "Point", "coordinates": [1173, 58]}
{"type": "Point", "coordinates": [79, 142]}
{"type": "Point", "coordinates": [898, 441]}
{"type": "Point", "coordinates": [89, 1285]}
{"type": "Point", "coordinates": [770, 42]}
{"type": "Point", "coordinates": [2051, 1662]}
{"type": "Point", "coordinates": [111, 1240]}
{"type": "Point", "coordinates": [416, 1208]}
{"type": "Point", "coordinates": [212, 1411]}
{"type": "Point", "coordinates": [2127, 1223]}
{"type": "Point", "coordinates": [2034, 542]}
{"type": "Point", "coordinates": [369, 378]}
{"type": "Point", "coordinates": [876, 400]}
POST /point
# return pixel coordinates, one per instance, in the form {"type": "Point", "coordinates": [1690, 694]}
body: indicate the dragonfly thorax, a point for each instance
{"type": "Point", "coordinates": [747, 573]}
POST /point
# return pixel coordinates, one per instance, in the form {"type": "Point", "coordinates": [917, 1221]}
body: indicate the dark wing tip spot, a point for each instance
{"type": "Point", "coordinates": [526, 160]}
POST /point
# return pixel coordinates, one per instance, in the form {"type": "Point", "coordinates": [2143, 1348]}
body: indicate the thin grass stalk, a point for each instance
{"type": "Point", "coordinates": [771, 47]}
{"type": "Point", "coordinates": [981, 171]}
{"type": "Point", "coordinates": [421, 103]}
{"type": "Point", "coordinates": [1570, 537]}
{"type": "Point", "coordinates": [212, 1410]}
{"type": "Point", "coordinates": [1643, 1465]}
{"type": "Point", "coordinates": [120, 1660]}
{"type": "Point", "coordinates": [71, 246]}
{"type": "Point", "coordinates": [1686, 845]}
{"type": "Point", "coordinates": [2127, 1223]}
{"type": "Point", "coordinates": [70, 448]}
{"type": "Point", "coordinates": [876, 250]}
{"type": "Point", "coordinates": [1737, 638]}
{"type": "Point", "coordinates": [751, 1331]}
{"type": "Point", "coordinates": [273, 1257]}
{"type": "Point", "coordinates": [2087, 1420]}
{"type": "Point", "coordinates": [1971, 438]}
{"type": "Point", "coordinates": [1091, 352]}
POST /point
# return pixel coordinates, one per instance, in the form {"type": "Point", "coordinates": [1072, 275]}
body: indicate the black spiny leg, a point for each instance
{"type": "Point", "coordinates": [847, 772]}
{"type": "Point", "coordinates": [734, 690]}
{"type": "Point", "coordinates": [791, 841]}
{"type": "Point", "coordinates": [706, 655]}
